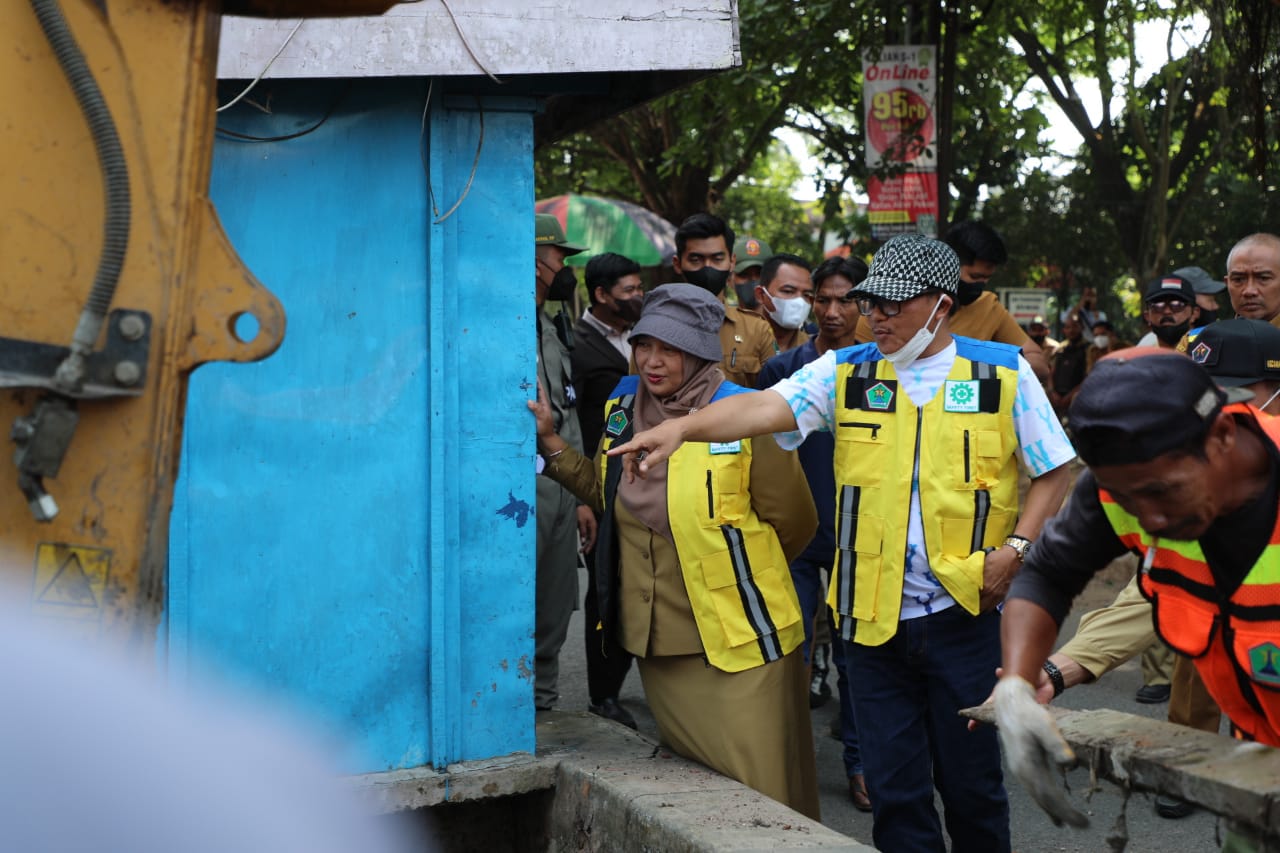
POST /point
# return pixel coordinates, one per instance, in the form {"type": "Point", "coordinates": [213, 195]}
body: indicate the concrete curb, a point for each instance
{"type": "Point", "coordinates": [1237, 780]}
{"type": "Point", "coordinates": [615, 790]}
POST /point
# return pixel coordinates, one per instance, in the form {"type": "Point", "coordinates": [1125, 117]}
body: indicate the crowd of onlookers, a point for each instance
{"type": "Point", "coordinates": [736, 573]}
{"type": "Point", "coordinates": [1172, 305]}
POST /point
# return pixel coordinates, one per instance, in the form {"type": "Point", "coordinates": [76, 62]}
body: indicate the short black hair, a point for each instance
{"type": "Point", "coordinates": [702, 226]}
{"type": "Point", "coordinates": [604, 271]}
{"type": "Point", "coordinates": [976, 241]}
{"type": "Point", "coordinates": [937, 291]}
{"type": "Point", "coordinates": [770, 268]}
{"type": "Point", "coordinates": [854, 269]}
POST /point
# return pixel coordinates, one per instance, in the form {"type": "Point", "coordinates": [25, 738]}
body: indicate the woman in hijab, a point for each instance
{"type": "Point", "coordinates": [692, 561]}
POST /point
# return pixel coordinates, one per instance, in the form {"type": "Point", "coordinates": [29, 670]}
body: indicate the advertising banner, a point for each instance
{"type": "Point", "coordinates": [898, 96]}
{"type": "Point", "coordinates": [906, 204]}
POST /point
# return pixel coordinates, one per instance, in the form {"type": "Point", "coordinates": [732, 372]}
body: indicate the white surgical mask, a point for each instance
{"type": "Point", "coordinates": [919, 342]}
{"type": "Point", "coordinates": [1101, 341]}
{"type": "Point", "coordinates": [789, 313]}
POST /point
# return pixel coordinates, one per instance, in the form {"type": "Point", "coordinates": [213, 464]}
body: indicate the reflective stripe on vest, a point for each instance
{"type": "Point", "coordinates": [964, 443]}
{"type": "Point", "coordinates": [735, 571]}
{"type": "Point", "coordinates": [1234, 640]}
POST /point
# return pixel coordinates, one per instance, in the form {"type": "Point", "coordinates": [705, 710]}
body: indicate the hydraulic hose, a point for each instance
{"type": "Point", "coordinates": [115, 180]}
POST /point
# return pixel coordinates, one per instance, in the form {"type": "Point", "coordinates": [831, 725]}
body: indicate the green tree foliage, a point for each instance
{"type": "Point", "coordinates": [1151, 158]}
{"type": "Point", "coordinates": [760, 203]}
{"type": "Point", "coordinates": [681, 153]}
{"type": "Point", "coordinates": [1175, 162]}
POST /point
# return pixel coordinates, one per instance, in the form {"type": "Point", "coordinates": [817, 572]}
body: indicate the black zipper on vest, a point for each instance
{"type": "Point", "coordinates": [966, 456]}
{"type": "Point", "coordinates": [711, 497]}
{"type": "Point", "coordinates": [875, 428]}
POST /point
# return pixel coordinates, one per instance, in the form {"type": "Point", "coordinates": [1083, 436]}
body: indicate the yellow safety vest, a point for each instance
{"type": "Point", "coordinates": [733, 565]}
{"type": "Point", "coordinates": [964, 444]}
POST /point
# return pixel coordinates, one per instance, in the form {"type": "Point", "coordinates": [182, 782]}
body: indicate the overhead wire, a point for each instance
{"type": "Point", "coordinates": [247, 89]}
{"type": "Point", "coordinates": [467, 44]}
{"type": "Point", "coordinates": [475, 162]}
{"type": "Point", "coordinates": [422, 152]}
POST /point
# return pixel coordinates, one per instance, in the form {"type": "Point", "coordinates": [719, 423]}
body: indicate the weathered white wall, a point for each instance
{"type": "Point", "coordinates": [507, 36]}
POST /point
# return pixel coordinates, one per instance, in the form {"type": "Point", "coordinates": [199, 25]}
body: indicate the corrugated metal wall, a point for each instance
{"type": "Point", "coordinates": [353, 528]}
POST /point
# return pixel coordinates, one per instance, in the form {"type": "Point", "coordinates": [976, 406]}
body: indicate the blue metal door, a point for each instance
{"type": "Point", "coordinates": [352, 529]}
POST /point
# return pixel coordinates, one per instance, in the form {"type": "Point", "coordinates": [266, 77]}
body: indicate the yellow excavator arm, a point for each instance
{"type": "Point", "coordinates": [116, 280]}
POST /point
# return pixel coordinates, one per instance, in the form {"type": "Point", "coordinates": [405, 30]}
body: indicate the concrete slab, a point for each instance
{"type": "Point", "coordinates": [423, 787]}
{"type": "Point", "coordinates": [1237, 780]}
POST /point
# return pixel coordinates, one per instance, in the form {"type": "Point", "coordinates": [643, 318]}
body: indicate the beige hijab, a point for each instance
{"type": "Point", "coordinates": [646, 498]}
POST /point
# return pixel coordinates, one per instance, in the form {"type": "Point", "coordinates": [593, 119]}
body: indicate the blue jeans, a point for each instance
{"type": "Point", "coordinates": [906, 694]}
{"type": "Point", "coordinates": [848, 723]}
{"type": "Point", "coordinates": [807, 577]}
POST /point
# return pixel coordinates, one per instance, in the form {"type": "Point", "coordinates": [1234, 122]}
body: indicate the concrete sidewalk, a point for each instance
{"type": "Point", "coordinates": [1032, 829]}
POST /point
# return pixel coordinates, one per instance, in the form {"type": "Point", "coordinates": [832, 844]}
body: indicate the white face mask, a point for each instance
{"type": "Point", "coordinates": [789, 313]}
{"type": "Point", "coordinates": [919, 342]}
{"type": "Point", "coordinates": [1101, 341]}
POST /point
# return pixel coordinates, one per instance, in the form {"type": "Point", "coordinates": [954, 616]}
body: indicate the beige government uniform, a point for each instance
{"type": "Point", "coordinates": [747, 343]}
{"type": "Point", "coordinates": [752, 725]}
{"type": "Point", "coordinates": [1111, 635]}
{"type": "Point", "coordinates": [556, 582]}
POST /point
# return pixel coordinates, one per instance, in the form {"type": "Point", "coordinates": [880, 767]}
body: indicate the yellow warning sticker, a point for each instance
{"type": "Point", "coordinates": [70, 581]}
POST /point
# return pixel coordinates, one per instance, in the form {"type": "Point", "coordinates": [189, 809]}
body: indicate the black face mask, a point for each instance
{"type": "Point", "coordinates": [629, 309]}
{"type": "Point", "coordinates": [969, 292]}
{"type": "Point", "coordinates": [1207, 316]}
{"type": "Point", "coordinates": [1170, 335]}
{"type": "Point", "coordinates": [708, 278]}
{"type": "Point", "coordinates": [562, 286]}
{"type": "Point", "coordinates": [747, 295]}
{"type": "Point", "coordinates": [1039, 339]}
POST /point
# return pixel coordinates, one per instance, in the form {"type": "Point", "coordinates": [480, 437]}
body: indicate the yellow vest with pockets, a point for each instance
{"type": "Point", "coordinates": [965, 446]}
{"type": "Point", "coordinates": [734, 569]}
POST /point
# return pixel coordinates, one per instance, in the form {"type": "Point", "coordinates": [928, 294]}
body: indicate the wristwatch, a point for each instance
{"type": "Point", "coordinates": [1055, 678]}
{"type": "Point", "coordinates": [1020, 545]}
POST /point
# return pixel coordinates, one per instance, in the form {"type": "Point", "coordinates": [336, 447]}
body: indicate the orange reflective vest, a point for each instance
{"type": "Point", "coordinates": [1234, 639]}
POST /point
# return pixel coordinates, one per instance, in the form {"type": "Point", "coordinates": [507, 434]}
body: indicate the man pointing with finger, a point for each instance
{"type": "Point", "coordinates": [928, 430]}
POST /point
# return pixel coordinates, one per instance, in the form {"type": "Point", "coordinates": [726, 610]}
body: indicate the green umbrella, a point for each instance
{"type": "Point", "coordinates": [609, 225]}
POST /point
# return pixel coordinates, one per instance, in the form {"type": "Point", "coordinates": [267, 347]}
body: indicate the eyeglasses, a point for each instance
{"type": "Point", "coordinates": [1168, 306]}
{"type": "Point", "coordinates": [887, 307]}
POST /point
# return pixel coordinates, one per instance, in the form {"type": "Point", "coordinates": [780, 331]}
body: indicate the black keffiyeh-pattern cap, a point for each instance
{"type": "Point", "coordinates": [909, 265]}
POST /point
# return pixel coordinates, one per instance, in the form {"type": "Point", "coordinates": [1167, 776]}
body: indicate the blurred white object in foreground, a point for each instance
{"type": "Point", "coordinates": [96, 755]}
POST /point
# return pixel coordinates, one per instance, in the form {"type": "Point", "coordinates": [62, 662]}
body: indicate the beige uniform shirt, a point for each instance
{"type": "Point", "coordinates": [747, 343]}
